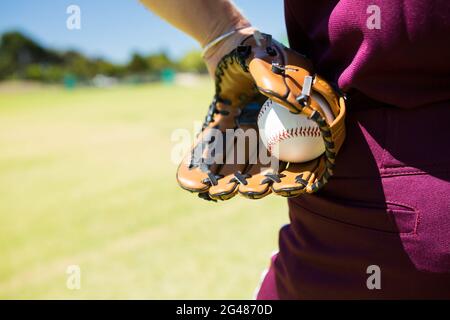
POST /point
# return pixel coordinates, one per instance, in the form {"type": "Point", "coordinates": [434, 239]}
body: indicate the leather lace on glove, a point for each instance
{"type": "Point", "coordinates": [258, 69]}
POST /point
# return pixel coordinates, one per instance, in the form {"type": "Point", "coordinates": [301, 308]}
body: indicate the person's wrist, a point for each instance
{"type": "Point", "coordinates": [218, 51]}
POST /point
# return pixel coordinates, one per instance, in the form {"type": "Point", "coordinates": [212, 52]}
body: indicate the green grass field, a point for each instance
{"type": "Point", "coordinates": [86, 179]}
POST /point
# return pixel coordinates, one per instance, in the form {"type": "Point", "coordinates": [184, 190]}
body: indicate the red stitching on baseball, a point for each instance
{"type": "Point", "coordinates": [291, 133]}
{"type": "Point", "coordinates": [264, 108]}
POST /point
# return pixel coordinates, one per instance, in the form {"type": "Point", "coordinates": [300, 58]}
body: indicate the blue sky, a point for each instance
{"type": "Point", "coordinates": [114, 28]}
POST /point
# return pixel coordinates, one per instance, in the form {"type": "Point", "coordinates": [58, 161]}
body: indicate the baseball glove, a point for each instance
{"type": "Point", "coordinates": [261, 68]}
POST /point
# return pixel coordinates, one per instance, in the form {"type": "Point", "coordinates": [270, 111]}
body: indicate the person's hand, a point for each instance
{"type": "Point", "coordinates": [217, 52]}
{"type": "Point", "coordinates": [257, 67]}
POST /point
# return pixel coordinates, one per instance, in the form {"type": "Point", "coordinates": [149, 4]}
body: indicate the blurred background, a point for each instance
{"type": "Point", "coordinates": [86, 177]}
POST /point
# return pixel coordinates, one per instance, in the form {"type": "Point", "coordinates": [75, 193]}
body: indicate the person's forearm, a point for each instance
{"type": "Point", "coordinates": [204, 20]}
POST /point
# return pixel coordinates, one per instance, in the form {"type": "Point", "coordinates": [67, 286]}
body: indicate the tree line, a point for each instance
{"type": "Point", "coordinates": [23, 58]}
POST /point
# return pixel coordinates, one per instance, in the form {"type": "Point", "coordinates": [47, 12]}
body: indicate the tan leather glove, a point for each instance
{"type": "Point", "coordinates": [258, 69]}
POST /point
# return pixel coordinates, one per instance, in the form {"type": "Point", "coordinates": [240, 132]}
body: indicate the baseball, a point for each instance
{"type": "Point", "coordinates": [287, 136]}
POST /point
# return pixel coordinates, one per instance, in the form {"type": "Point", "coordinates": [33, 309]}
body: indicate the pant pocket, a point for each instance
{"type": "Point", "coordinates": [387, 217]}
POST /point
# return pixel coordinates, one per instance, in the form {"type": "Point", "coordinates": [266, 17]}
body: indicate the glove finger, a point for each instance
{"type": "Point", "coordinates": [257, 186]}
{"type": "Point", "coordinates": [227, 185]}
{"type": "Point", "coordinates": [260, 179]}
{"type": "Point", "coordinates": [236, 164]}
{"type": "Point", "coordinates": [199, 170]}
{"type": "Point", "coordinates": [191, 179]}
{"type": "Point", "coordinates": [319, 177]}
{"type": "Point", "coordinates": [298, 178]}
{"type": "Point", "coordinates": [253, 183]}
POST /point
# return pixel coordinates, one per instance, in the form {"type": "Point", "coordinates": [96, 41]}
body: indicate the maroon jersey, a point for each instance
{"type": "Point", "coordinates": [388, 204]}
